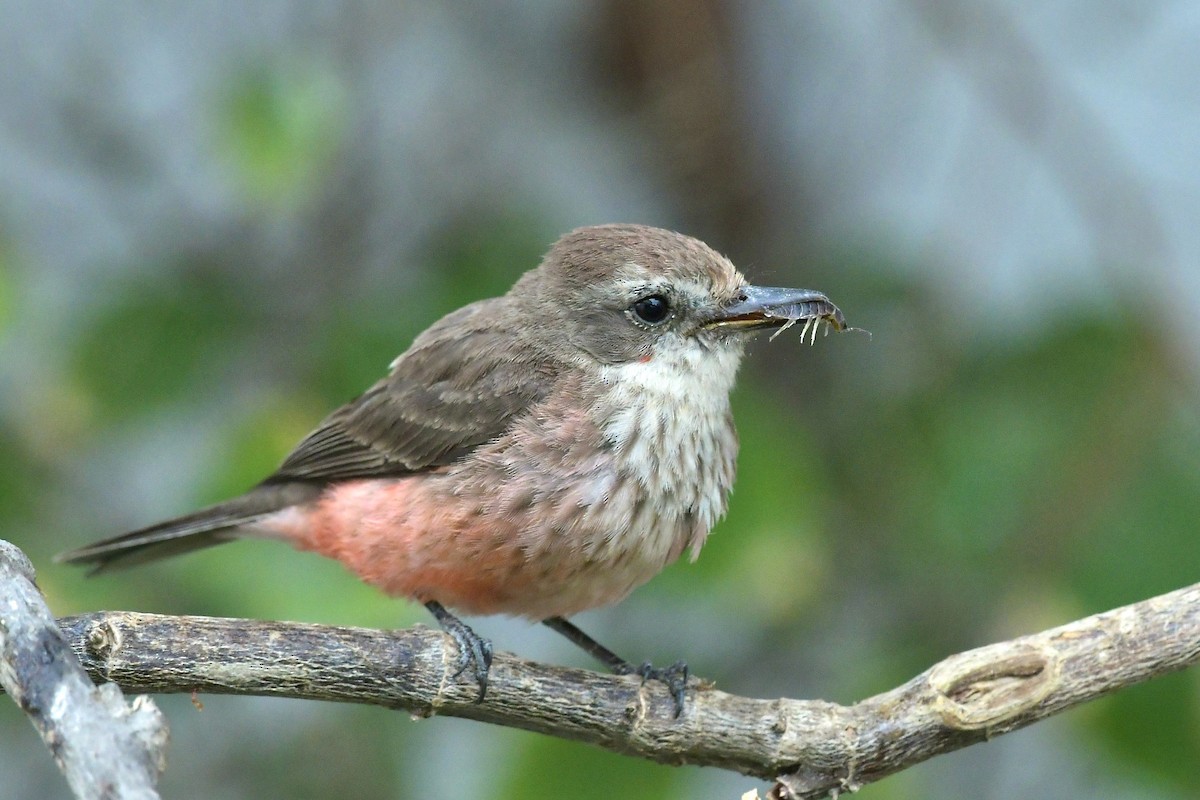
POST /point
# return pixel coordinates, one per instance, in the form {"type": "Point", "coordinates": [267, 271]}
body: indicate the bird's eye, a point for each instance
{"type": "Point", "coordinates": [652, 309]}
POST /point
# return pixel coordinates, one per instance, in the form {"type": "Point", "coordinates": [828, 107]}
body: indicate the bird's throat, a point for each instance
{"type": "Point", "coordinates": [668, 421]}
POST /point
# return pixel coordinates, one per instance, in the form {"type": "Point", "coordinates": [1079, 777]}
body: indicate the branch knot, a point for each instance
{"type": "Point", "coordinates": [991, 686]}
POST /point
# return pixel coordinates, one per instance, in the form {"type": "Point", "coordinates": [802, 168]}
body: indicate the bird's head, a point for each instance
{"type": "Point", "coordinates": [619, 294]}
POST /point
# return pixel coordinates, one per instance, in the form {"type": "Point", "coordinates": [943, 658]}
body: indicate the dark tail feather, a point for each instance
{"type": "Point", "coordinates": [204, 528]}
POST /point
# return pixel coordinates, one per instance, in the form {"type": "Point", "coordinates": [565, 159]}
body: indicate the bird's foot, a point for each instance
{"type": "Point", "coordinates": [674, 677]}
{"type": "Point", "coordinates": [473, 650]}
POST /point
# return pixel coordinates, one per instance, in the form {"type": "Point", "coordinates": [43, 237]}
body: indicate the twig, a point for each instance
{"type": "Point", "coordinates": [810, 747]}
{"type": "Point", "coordinates": [105, 748]}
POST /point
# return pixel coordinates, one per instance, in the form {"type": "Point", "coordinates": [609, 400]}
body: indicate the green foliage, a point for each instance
{"type": "Point", "coordinates": [21, 481]}
{"type": "Point", "coordinates": [281, 126]}
{"type": "Point", "coordinates": [1149, 729]}
{"type": "Point", "coordinates": [6, 290]}
{"type": "Point", "coordinates": [476, 258]}
{"type": "Point", "coordinates": [157, 342]}
{"type": "Point", "coordinates": [590, 774]}
{"type": "Point", "coordinates": [254, 446]}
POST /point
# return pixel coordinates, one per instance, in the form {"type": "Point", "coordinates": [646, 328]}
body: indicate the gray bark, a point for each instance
{"type": "Point", "coordinates": [105, 748]}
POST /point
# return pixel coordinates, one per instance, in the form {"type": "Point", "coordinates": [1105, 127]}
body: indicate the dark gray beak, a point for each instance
{"type": "Point", "coordinates": [771, 307]}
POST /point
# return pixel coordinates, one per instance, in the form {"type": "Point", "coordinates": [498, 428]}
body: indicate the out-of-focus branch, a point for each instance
{"type": "Point", "coordinates": [104, 748]}
{"type": "Point", "coordinates": [809, 747]}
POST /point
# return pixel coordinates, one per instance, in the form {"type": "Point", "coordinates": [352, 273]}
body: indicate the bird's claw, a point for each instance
{"type": "Point", "coordinates": [674, 677]}
{"type": "Point", "coordinates": [473, 650]}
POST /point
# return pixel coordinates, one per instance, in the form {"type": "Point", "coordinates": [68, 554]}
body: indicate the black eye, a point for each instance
{"type": "Point", "coordinates": [653, 309]}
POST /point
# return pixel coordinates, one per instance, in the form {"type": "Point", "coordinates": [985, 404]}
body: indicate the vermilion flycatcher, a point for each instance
{"type": "Point", "coordinates": [536, 454]}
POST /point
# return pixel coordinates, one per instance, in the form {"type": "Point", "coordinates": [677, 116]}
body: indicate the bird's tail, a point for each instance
{"type": "Point", "coordinates": [204, 528]}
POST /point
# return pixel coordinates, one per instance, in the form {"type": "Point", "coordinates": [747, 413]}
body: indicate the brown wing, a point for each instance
{"type": "Point", "coordinates": [460, 385]}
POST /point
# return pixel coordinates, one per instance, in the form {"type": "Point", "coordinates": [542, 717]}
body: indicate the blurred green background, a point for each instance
{"type": "Point", "coordinates": [218, 221]}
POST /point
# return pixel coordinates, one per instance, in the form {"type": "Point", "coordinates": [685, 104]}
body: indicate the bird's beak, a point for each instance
{"type": "Point", "coordinates": [759, 307]}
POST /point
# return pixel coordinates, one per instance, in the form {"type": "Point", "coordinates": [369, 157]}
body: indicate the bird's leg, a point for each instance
{"type": "Point", "coordinates": [675, 676]}
{"type": "Point", "coordinates": [472, 648]}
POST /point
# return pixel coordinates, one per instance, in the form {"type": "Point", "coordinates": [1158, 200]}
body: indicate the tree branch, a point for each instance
{"type": "Point", "coordinates": [104, 748]}
{"type": "Point", "coordinates": [811, 748]}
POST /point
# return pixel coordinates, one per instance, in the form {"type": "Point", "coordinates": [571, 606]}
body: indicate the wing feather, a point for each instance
{"type": "Point", "coordinates": [459, 386]}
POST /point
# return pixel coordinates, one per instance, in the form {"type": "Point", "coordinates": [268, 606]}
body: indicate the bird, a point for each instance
{"type": "Point", "coordinates": [536, 454]}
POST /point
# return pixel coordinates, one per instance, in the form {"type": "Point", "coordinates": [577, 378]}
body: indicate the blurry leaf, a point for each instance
{"type": "Point", "coordinates": [6, 290]}
{"type": "Point", "coordinates": [1144, 541]}
{"type": "Point", "coordinates": [278, 748]}
{"type": "Point", "coordinates": [360, 341]}
{"type": "Point", "coordinates": [156, 342]}
{"type": "Point", "coordinates": [282, 127]}
{"type": "Point", "coordinates": [547, 767]}
{"type": "Point", "coordinates": [470, 261]}
{"type": "Point", "coordinates": [482, 255]}
{"type": "Point", "coordinates": [22, 479]}
{"type": "Point", "coordinates": [1152, 726]}
{"type": "Point", "coordinates": [257, 444]}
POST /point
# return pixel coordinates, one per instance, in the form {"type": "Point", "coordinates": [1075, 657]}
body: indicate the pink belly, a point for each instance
{"type": "Point", "coordinates": [412, 538]}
